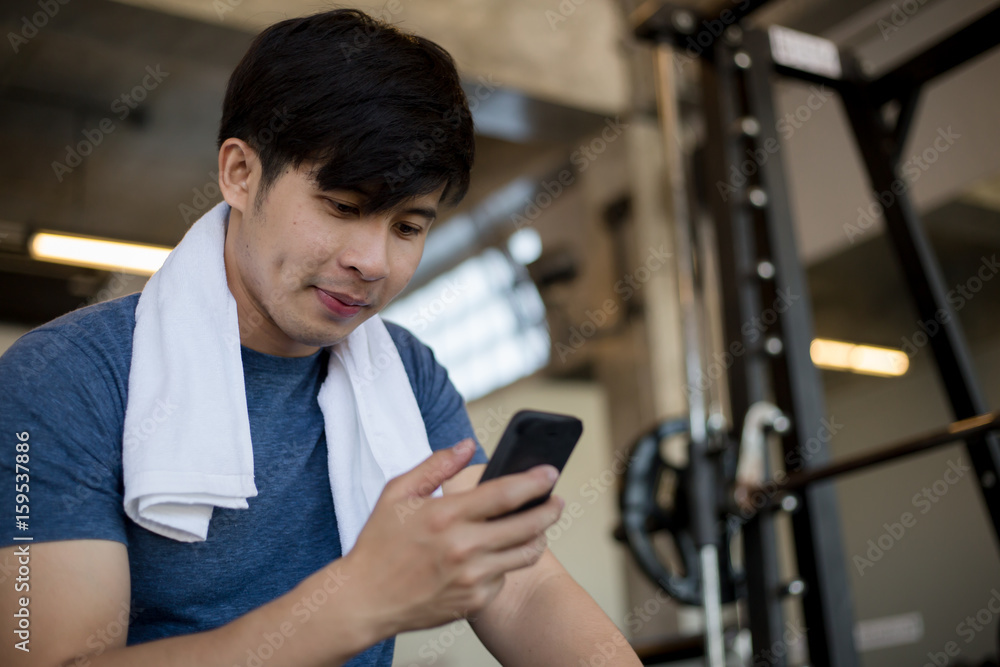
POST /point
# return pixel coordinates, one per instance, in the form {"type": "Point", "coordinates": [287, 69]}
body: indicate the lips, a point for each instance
{"type": "Point", "coordinates": [341, 305]}
{"type": "Point", "coordinates": [346, 299]}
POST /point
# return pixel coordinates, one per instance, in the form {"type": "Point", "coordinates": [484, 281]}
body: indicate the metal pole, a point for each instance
{"type": "Point", "coordinates": [819, 548]}
{"type": "Point", "coordinates": [740, 281]}
{"type": "Point", "coordinates": [879, 149]}
{"type": "Point", "coordinates": [703, 501]}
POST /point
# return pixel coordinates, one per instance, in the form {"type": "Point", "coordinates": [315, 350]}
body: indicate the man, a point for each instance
{"type": "Point", "coordinates": [327, 214]}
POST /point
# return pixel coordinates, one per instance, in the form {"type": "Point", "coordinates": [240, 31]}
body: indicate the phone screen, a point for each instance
{"type": "Point", "coordinates": [533, 438]}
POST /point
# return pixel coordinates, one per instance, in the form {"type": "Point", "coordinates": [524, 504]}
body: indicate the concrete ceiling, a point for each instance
{"type": "Point", "coordinates": [561, 65]}
{"type": "Point", "coordinates": [568, 55]}
{"type": "Point", "coordinates": [149, 171]}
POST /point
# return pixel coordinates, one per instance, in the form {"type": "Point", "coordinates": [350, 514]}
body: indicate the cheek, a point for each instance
{"type": "Point", "coordinates": [404, 263]}
{"type": "Point", "coordinates": [299, 259]}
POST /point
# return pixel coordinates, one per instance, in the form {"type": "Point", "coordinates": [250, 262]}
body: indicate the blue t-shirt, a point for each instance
{"type": "Point", "coordinates": [66, 383]}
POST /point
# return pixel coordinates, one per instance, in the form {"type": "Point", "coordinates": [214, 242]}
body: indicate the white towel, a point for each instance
{"type": "Point", "coordinates": [187, 443]}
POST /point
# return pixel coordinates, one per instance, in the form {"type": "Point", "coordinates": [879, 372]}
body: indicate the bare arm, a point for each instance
{"type": "Point", "coordinates": [419, 562]}
{"type": "Point", "coordinates": [79, 612]}
{"type": "Point", "coordinates": [542, 616]}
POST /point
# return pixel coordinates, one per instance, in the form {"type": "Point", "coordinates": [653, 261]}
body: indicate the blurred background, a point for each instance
{"type": "Point", "coordinates": [553, 285]}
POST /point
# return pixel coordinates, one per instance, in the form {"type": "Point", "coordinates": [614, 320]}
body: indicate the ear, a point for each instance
{"type": "Point", "coordinates": [239, 173]}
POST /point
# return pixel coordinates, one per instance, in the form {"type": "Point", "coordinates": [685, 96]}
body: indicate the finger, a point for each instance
{"type": "Point", "coordinates": [507, 493]}
{"type": "Point", "coordinates": [443, 464]}
{"type": "Point", "coordinates": [519, 556]}
{"type": "Point", "coordinates": [517, 529]}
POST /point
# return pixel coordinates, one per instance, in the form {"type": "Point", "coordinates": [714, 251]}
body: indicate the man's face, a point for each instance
{"type": "Point", "coordinates": [306, 268]}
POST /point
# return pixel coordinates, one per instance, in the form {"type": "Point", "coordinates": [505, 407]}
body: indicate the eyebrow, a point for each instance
{"type": "Point", "coordinates": [427, 212]}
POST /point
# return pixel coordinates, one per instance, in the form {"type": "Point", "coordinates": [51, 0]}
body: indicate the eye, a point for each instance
{"type": "Point", "coordinates": [346, 209]}
{"type": "Point", "coordinates": [342, 208]}
{"type": "Point", "coordinates": [409, 230]}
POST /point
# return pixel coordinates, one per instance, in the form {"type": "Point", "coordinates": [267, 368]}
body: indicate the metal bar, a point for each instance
{"type": "Point", "coordinates": [675, 648]}
{"type": "Point", "coordinates": [688, 30]}
{"type": "Point", "coordinates": [926, 285]}
{"type": "Point", "coordinates": [960, 430]}
{"type": "Point", "coordinates": [741, 290]}
{"type": "Point", "coordinates": [907, 112]}
{"type": "Point", "coordinates": [811, 77]}
{"type": "Point", "coordinates": [819, 547]}
{"type": "Point", "coordinates": [703, 483]}
{"type": "Point", "coordinates": [973, 40]}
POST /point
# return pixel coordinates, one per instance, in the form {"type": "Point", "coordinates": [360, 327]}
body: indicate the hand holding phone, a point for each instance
{"type": "Point", "coordinates": [533, 438]}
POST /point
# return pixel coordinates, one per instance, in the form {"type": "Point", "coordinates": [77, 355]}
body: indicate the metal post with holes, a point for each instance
{"type": "Point", "coordinates": [740, 267]}
{"type": "Point", "coordinates": [822, 563]}
{"type": "Point", "coordinates": [758, 263]}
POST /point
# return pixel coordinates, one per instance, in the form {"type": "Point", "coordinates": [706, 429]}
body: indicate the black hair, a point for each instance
{"type": "Point", "coordinates": [379, 110]}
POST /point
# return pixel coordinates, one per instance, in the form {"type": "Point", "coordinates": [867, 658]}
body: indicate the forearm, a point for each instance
{"type": "Point", "coordinates": [313, 625]}
{"type": "Point", "coordinates": [555, 623]}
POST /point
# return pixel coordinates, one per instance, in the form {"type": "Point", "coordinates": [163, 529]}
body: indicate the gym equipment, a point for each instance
{"type": "Point", "coordinates": [757, 262]}
{"type": "Point", "coordinates": [647, 511]}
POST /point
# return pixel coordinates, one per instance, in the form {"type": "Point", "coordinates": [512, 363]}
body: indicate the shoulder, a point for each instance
{"type": "Point", "coordinates": [404, 339]}
{"type": "Point", "coordinates": [67, 390]}
{"type": "Point", "coordinates": [94, 339]}
{"type": "Point", "coordinates": [441, 405]}
{"type": "Point", "coordinates": [419, 361]}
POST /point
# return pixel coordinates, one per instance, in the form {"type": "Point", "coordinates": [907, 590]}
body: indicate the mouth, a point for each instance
{"type": "Point", "coordinates": [342, 305]}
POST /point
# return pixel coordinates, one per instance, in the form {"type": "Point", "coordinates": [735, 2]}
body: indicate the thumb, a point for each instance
{"type": "Point", "coordinates": [436, 468]}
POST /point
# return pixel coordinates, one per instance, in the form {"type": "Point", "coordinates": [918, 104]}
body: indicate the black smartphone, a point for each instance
{"type": "Point", "coordinates": [533, 438]}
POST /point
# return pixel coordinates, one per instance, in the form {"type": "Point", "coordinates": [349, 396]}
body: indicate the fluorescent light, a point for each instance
{"type": "Point", "coordinates": [484, 325]}
{"type": "Point", "coordinates": [864, 359]}
{"type": "Point", "coordinates": [97, 253]}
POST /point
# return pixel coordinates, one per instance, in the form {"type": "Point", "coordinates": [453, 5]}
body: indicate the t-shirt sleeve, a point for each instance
{"type": "Point", "coordinates": [56, 399]}
{"type": "Point", "coordinates": [441, 406]}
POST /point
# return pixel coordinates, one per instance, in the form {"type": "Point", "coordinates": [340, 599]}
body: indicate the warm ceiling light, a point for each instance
{"type": "Point", "coordinates": [97, 253]}
{"type": "Point", "coordinates": [865, 359]}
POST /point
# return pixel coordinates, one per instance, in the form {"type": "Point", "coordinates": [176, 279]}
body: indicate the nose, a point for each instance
{"type": "Point", "coordinates": [367, 251]}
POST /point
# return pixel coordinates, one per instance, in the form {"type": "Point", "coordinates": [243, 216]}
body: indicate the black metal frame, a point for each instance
{"type": "Point", "coordinates": [748, 376]}
{"type": "Point", "coordinates": [752, 229]}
